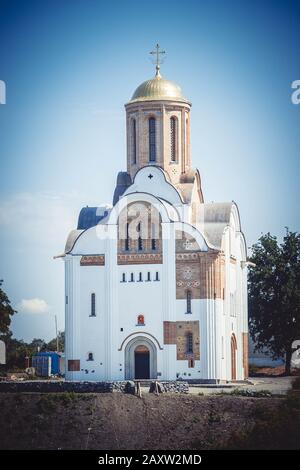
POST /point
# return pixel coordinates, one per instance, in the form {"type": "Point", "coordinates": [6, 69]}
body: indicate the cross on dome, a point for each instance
{"type": "Point", "coordinates": [158, 59]}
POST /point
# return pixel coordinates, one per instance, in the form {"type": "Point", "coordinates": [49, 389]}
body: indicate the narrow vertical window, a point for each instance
{"type": "Point", "coordinates": [93, 305]}
{"type": "Point", "coordinates": [140, 277]}
{"type": "Point", "coordinates": [127, 238]}
{"type": "Point", "coordinates": [152, 140]}
{"type": "Point", "coordinates": [157, 276]}
{"type": "Point", "coordinates": [191, 363]}
{"type": "Point", "coordinates": [140, 241]}
{"type": "Point", "coordinates": [148, 276]}
{"type": "Point", "coordinates": [131, 277]}
{"type": "Point", "coordinates": [153, 237]}
{"type": "Point", "coordinates": [188, 301]}
{"type": "Point", "coordinates": [173, 138]}
{"type": "Point", "coordinates": [123, 277]}
{"type": "Point", "coordinates": [189, 343]}
{"type": "Point", "coordinates": [133, 137]}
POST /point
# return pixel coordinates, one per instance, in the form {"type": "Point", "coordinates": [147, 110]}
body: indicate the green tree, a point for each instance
{"type": "Point", "coordinates": [36, 345]}
{"type": "Point", "coordinates": [16, 351]}
{"type": "Point", "coordinates": [274, 295]}
{"type": "Point", "coordinates": [52, 345]}
{"type": "Point", "coordinates": [6, 311]}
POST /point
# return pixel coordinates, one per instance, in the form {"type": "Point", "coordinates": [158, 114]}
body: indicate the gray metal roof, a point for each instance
{"type": "Point", "coordinates": [123, 182]}
{"type": "Point", "coordinates": [90, 216]}
{"type": "Point", "coordinates": [216, 216]}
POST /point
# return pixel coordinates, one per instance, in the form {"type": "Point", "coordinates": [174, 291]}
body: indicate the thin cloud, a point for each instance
{"type": "Point", "coordinates": [33, 306]}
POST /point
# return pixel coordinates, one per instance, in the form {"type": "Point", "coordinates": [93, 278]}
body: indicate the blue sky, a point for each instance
{"type": "Point", "coordinates": [69, 67]}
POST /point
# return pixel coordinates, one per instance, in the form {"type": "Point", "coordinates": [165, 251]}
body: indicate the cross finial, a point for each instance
{"type": "Point", "coordinates": [158, 59]}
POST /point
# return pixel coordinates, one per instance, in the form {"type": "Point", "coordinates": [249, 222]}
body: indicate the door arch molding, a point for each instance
{"type": "Point", "coordinates": [233, 347]}
{"type": "Point", "coordinates": [130, 357]}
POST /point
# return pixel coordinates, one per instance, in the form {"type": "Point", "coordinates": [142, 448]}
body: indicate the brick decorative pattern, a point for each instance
{"type": "Point", "coordinates": [185, 243]}
{"type": "Point", "coordinates": [245, 343]}
{"type": "Point", "coordinates": [203, 273]}
{"type": "Point", "coordinates": [176, 333]}
{"type": "Point", "coordinates": [74, 365]}
{"type": "Point", "coordinates": [93, 260]}
{"type": "Point", "coordinates": [170, 330]}
{"type": "Point", "coordinates": [143, 258]}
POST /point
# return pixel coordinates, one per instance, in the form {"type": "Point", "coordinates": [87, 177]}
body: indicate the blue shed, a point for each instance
{"type": "Point", "coordinates": [54, 360]}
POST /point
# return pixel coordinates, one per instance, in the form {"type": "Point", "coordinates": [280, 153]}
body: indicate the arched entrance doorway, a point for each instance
{"type": "Point", "coordinates": [141, 362]}
{"type": "Point", "coordinates": [233, 356]}
{"type": "Point", "coordinates": [140, 359]}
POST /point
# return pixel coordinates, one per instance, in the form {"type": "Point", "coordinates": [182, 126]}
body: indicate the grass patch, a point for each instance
{"type": "Point", "coordinates": [244, 392]}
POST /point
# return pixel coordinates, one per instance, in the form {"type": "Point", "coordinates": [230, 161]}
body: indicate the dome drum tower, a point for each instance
{"type": "Point", "coordinates": [158, 128]}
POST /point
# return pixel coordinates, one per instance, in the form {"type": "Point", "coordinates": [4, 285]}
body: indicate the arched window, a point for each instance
{"type": "Point", "coordinates": [153, 236]}
{"type": "Point", "coordinates": [188, 301]}
{"type": "Point", "coordinates": [90, 357]}
{"type": "Point", "coordinates": [141, 320]}
{"type": "Point", "coordinates": [173, 138]}
{"type": "Point", "coordinates": [140, 240]}
{"type": "Point", "coordinates": [93, 305]}
{"type": "Point", "coordinates": [189, 343]}
{"type": "Point", "coordinates": [133, 140]}
{"type": "Point", "coordinates": [233, 345]}
{"type": "Point", "coordinates": [152, 140]}
{"type": "Point", "coordinates": [127, 238]}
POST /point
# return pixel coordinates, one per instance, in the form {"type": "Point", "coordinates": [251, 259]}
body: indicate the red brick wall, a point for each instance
{"type": "Point", "coordinates": [176, 333]}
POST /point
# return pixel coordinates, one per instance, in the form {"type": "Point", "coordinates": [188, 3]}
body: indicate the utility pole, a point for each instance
{"type": "Point", "coordinates": [56, 334]}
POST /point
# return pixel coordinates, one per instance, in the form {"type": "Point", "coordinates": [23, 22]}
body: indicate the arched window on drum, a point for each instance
{"type": "Point", "coordinates": [133, 141]}
{"type": "Point", "coordinates": [152, 139]}
{"type": "Point", "coordinates": [173, 138]}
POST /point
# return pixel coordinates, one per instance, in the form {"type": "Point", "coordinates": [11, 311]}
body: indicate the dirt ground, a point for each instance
{"type": "Point", "coordinates": [169, 421]}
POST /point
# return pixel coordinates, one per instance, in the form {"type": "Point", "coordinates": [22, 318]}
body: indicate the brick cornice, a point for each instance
{"type": "Point", "coordinates": [92, 260]}
{"type": "Point", "coordinates": [140, 258]}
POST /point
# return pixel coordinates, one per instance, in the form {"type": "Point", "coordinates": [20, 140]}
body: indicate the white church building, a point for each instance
{"type": "Point", "coordinates": [156, 284]}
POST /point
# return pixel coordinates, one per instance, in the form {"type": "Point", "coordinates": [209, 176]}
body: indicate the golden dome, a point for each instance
{"type": "Point", "coordinates": [158, 89]}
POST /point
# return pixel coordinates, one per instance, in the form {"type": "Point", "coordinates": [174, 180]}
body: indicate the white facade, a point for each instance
{"type": "Point", "coordinates": [167, 305]}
